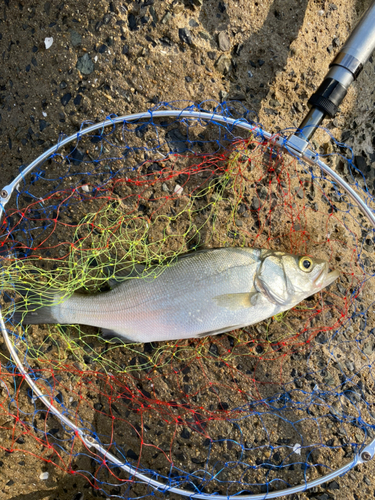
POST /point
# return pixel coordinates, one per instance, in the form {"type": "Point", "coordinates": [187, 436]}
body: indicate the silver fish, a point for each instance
{"type": "Point", "coordinates": [203, 293]}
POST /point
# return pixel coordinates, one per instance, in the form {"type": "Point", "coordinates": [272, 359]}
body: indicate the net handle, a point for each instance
{"type": "Point", "coordinates": [365, 454]}
{"type": "Point", "coordinates": [344, 70]}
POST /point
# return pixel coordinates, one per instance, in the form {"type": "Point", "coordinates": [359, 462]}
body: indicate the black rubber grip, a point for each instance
{"type": "Point", "coordinates": [328, 97]}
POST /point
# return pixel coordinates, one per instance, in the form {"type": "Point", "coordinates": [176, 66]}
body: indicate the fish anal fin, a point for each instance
{"type": "Point", "coordinates": [237, 301]}
{"type": "Point", "coordinates": [116, 336]}
{"type": "Point", "coordinates": [216, 332]}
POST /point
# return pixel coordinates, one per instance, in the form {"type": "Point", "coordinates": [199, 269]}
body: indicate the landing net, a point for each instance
{"type": "Point", "coordinates": [257, 410]}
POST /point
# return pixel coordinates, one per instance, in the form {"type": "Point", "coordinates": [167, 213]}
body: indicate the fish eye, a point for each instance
{"type": "Point", "coordinates": [305, 264]}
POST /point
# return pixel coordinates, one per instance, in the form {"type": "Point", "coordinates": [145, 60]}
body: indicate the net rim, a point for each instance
{"type": "Point", "coordinates": [279, 141]}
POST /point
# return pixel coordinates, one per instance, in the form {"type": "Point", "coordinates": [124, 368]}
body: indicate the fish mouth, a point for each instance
{"type": "Point", "coordinates": [324, 279]}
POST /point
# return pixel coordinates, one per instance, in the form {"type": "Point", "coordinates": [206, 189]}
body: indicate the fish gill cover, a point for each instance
{"type": "Point", "coordinates": [255, 410]}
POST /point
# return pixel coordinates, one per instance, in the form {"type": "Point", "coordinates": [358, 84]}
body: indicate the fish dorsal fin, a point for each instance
{"type": "Point", "coordinates": [237, 301]}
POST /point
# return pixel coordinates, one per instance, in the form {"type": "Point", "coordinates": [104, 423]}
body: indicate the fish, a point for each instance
{"type": "Point", "coordinates": [202, 293]}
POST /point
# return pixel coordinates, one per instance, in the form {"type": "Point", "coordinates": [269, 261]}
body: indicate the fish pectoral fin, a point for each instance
{"type": "Point", "coordinates": [237, 301]}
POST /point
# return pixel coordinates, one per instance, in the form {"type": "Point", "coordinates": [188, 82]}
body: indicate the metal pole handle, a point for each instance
{"type": "Point", "coordinates": [344, 69]}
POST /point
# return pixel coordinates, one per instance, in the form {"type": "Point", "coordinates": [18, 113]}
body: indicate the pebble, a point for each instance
{"type": "Point", "coordinates": [298, 107]}
{"type": "Point", "coordinates": [299, 192]}
{"type": "Point", "coordinates": [223, 94]}
{"type": "Point", "coordinates": [238, 48]}
{"type": "Point", "coordinates": [233, 234]}
{"type": "Point", "coordinates": [368, 245]}
{"type": "Point", "coordinates": [176, 140]}
{"type": "Point", "coordinates": [223, 64]}
{"type": "Point", "coordinates": [367, 480]}
{"type": "Point", "coordinates": [297, 449]}
{"type": "Point", "coordinates": [185, 36]}
{"type": "Point", "coordinates": [132, 455]}
{"type": "Point", "coordinates": [178, 189]}
{"type": "Point", "coordinates": [368, 349]}
{"type": "Point", "coordinates": [205, 35]}
{"type": "Point", "coordinates": [262, 193]}
{"type": "Point", "coordinates": [77, 156]}
{"type": "Point", "coordinates": [75, 38]}
{"type": "Point", "coordinates": [213, 350]}
{"type": "Point", "coordinates": [85, 64]}
{"type": "Point", "coordinates": [333, 485]}
{"type": "Point", "coordinates": [154, 167]}
{"type": "Point", "coordinates": [132, 22]}
{"type": "Point", "coordinates": [181, 457]}
{"type": "Point", "coordinates": [44, 476]}
{"type": "Point", "coordinates": [360, 163]}
{"type": "Point", "coordinates": [66, 98]}
{"type": "Point", "coordinates": [350, 365]}
{"type": "Point", "coordinates": [274, 103]}
{"type": "Point", "coordinates": [185, 434]}
{"type": "Point", "coordinates": [329, 380]}
{"type": "Point", "coordinates": [48, 42]}
{"type": "Point", "coordinates": [222, 406]}
{"type": "Point", "coordinates": [166, 17]}
{"type": "Point", "coordinates": [298, 383]}
{"type": "Point", "coordinates": [346, 135]}
{"type": "Point", "coordinates": [255, 203]}
{"type": "Point", "coordinates": [43, 125]}
{"type": "Point", "coordinates": [224, 42]}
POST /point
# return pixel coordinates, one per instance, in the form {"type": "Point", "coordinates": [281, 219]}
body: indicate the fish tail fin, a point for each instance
{"type": "Point", "coordinates": [37, 308]}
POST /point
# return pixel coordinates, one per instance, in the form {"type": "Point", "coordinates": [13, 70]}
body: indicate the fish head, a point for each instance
{"type": "Point", "coordinates": [286, 279]}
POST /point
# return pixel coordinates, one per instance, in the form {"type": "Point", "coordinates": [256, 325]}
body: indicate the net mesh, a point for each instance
{"type": "Point", "coordinates": [255, 410]}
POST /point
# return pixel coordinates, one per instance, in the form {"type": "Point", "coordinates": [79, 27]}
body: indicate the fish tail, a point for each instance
{"type": "Point", "coordinates": [36, 308]}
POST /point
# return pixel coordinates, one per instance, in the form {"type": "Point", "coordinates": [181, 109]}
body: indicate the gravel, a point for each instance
{"type": "Point", "coordinates": [85, 64]}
